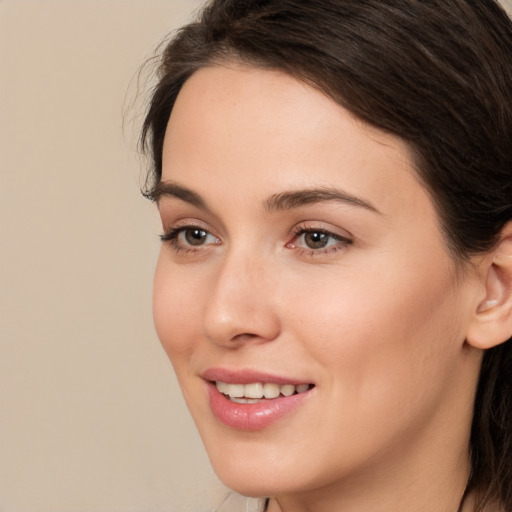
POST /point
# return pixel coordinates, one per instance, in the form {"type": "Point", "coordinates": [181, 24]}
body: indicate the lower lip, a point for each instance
{"type": "Point", "coordinates": [254, 416]}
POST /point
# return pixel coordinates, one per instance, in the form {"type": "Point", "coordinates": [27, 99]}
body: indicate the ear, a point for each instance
{"type": "Point", "coordinates": [491, 323]}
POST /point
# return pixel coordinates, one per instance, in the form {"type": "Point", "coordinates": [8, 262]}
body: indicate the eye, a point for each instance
{"type": "Point", "coordinates": [194, 236]}
{"type": "Point", "coordinates": [189, 237]}
{"type": "Point", "coordinates": [317, 241]}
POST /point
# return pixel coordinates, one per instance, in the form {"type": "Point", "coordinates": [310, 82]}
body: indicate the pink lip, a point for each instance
{"type": "Point", "coordinates": [254, 416]}
{"type": "Point", "coordinates": [248, 377]}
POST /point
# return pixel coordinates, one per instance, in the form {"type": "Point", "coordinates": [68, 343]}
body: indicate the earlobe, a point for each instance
{"type": "Point", "coordinates": [492, 321]}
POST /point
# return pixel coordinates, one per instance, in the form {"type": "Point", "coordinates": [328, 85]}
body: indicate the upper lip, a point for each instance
{"type": "Point", "coordinates": [248, 376]}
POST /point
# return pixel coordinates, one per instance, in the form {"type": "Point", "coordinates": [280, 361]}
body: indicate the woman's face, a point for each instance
{"type": "Point", "coordinates": [303, 256]}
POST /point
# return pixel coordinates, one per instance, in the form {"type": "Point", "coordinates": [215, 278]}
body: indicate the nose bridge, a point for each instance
{"type": "Point", "coordinates": [241, 303]}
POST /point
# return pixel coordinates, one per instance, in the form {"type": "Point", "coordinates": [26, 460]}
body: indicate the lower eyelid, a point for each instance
{"type": "Point", "coordinates": [304, 251]}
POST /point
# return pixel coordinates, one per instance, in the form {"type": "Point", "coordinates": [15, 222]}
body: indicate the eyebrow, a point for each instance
{"type": "Point", "coordinates": [172, 189]}
{"type": "Point", "coordinates": [287, 200]}
{"type": "Point", "coordinates": [297, 198]}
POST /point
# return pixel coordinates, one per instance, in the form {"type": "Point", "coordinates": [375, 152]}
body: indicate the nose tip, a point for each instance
{"type": "Point", "coordinates": [241, 307]}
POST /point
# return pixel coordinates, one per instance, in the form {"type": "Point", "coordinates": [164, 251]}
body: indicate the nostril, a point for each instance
{"type": "Point", "coordinates": [244, 336]}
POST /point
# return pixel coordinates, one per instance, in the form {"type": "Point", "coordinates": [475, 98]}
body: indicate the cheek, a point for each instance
{"type": "Point", "coordinates": [382, 334]}
{"type": "Point", "coordinates": [175, 311]}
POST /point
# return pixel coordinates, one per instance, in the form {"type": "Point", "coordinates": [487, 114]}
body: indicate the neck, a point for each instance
{"type": "Point", "coordinates": [412, 498]}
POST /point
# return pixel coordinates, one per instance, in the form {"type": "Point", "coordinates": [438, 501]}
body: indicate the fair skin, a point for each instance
{"type": "Point", "coordinates": [350, 289]}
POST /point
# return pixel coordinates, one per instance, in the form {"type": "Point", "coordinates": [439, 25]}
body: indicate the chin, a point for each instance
{"type": "Point", "coordinates": [247, 472]}
{"type": "Point", "coordinates": [260, 476]}
{"type": "Point", "coordinates": [254, 485]}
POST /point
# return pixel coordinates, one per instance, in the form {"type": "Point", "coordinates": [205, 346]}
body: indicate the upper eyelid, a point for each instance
{"type": "Point", "coordinates": [169, 204]}
{"type": "Point", "coordinates": [335, 236]}
{"type": "Point", "coordinates": [184, 224]}
{"type": "Point", "coordinates": [302, 229]}
{"type": "Point", "coordinates": [296, 230]}
{"type": "Point", "coordinates": [175, 213]}
{"type": "Point", "coordinates": [179, 229]}
{"type": "Point", "coordinates": [309, 226]}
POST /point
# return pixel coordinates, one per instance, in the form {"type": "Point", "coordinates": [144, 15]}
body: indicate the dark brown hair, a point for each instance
{"type": "Point", "coordinates": [438, 74]}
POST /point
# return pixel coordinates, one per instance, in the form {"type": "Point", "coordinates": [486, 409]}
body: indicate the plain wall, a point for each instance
{"type": "Point", "coordinates": [91, 418]}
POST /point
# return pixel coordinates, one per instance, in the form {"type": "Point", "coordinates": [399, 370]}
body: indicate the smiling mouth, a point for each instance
{"type": "Point", "coordinates": [258, 391]}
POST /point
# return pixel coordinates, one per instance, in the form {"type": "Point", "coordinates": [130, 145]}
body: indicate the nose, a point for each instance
{"type": "Point", "coordinates": [241, 306]}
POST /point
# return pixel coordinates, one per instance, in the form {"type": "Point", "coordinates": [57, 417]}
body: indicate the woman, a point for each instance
{"type": "Point", "coordinates": [334, 289]}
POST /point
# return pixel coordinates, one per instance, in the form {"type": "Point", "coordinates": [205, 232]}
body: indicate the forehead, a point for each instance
{"type": "Point", "coordinates": [249, 130]}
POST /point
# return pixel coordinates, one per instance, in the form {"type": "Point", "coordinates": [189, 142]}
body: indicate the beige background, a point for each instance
{"type": "Point", "coordinates": [91, 418]}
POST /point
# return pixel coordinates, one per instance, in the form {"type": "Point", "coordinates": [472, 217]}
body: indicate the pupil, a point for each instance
{"type": "Point", "coordinates": [195, 236]}
{"type": "Point", "coordinates": [316, 240]}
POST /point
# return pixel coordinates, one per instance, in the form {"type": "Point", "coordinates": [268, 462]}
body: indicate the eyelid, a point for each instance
{"type": "Point", "coordinates": [322, 227]}
{"type": "Point", "coordinates": [174, 238]}
{"type": "Point", "coordinates": [342, 240]}
{"type": "Point", "coordinates": [171, 225]}
{"type": "Point", "coordinates": [174, 232]}
{"type": "Point", "coordinates": [171, 236]}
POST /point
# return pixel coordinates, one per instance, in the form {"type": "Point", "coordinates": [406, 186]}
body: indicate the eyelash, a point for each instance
{"type": "Point", "coordinates": [172, 238]}
{"type": "Point", "coordinates": [341, 242]}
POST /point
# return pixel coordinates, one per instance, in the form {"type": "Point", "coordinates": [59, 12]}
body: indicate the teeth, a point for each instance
{"type": "Point", "coordinates": [253, 390]}
{"type": "Point", "coordinates": [222, 387]}
{"type": "Point", "coordinates": [271, 390]}
{"type": "Point", "coordinates": [302, 387]}
{"type": "Point", "coordinates": [250, 393]}
{"type": "Point", "coordinates": [235, 390]}
{"type": "Point", "coordinates": [287, 389]}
